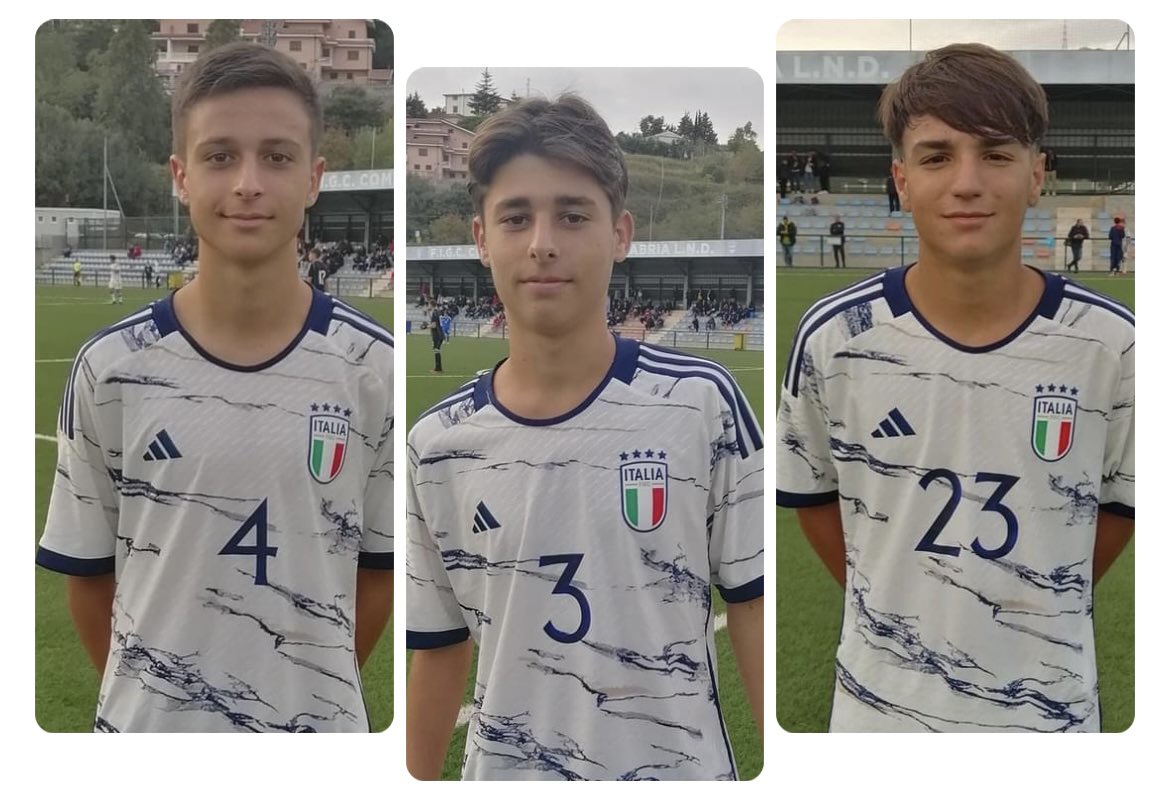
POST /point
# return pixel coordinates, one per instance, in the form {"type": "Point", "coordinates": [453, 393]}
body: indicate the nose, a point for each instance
{"type": "Point", "coordinates": [248, 179]}
{"type": "Point", "coordinates": [967, 177]}
{"type": "Point", "coordinates": [542, 246]}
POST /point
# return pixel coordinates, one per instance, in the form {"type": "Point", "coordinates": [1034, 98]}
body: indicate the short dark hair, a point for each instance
{"type": "Point", "coordinates": [242, 65]}
{"type": "Point", "coordinates": [973, 88]}
{"type": "Point", "coordinates": [567, 129]}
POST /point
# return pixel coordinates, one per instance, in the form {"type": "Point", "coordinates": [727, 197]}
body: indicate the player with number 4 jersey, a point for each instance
{"type": "Point", "coordinates": [223, 497]}
{"type": "Point", "coordinates": [957, 435]}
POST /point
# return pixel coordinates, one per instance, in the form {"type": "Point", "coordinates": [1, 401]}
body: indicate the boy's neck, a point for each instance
{"type": "Point", "coordinates": [546, 377]}
{"type": "Point", "coordinates": [975, 304]}
{"type": "Point", "coordinates": [244, 314]}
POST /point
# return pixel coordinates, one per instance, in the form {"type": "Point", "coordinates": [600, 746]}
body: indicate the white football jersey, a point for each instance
{"type": "Point", "coordinates": [580, 552]}
{"type": "Point", "coordinates": [234, 506]}
{"type": "Point", "coordinates": [969, 482]}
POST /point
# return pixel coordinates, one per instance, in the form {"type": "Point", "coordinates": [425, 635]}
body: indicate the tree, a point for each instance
{"type": "Point", "coordinates": [743, 136]}
{"type": "Point", "coordinates": [337, 149]}
{"type": "Point", "coordinates": [485, 100]}
{"type": "Point", "coordinates": [449, 229]}
{"type": "Point", "coordinates": [704, 131]}
{"type": "Point", "coordinates": [382, 149]}
{"type": "Point", "coordinates": [130, 98]}
{"type": "Point", "coordinates": [383, 44]}
{"type": "Point", "coordinates": [686, 126]}
{"type": "Point", "coordinates": [651, 125]}
{"type": "Point", "coordinates": [351, 109]}
{"type": "Point", "coordinates": [415, 107]}
{"type": "Point", "coordinates": [221, 32]}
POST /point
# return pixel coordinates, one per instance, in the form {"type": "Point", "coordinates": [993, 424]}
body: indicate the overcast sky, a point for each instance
{"type": "Point", "coordinates": [928, 34]}
{"type": "Point", "coordinates": [730, 97]}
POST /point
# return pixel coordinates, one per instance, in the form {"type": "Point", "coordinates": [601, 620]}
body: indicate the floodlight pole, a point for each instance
{"type": "Point", "coordinates": [105, 185]}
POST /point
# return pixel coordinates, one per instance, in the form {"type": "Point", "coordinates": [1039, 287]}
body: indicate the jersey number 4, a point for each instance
{"type": "Point", "coordinates": [258, 520]}
{"type": "Point", "coordinates": [564, 586]}
{"type": "Point", "coordinates": [929, 542]}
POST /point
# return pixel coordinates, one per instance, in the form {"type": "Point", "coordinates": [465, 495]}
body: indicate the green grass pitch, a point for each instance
{"type": "Point", "coordinates": [809, 602]}
{"type": "Point", "coordinates": [66, 683]}
{"type": "Point", "coordinates": [462, 359]}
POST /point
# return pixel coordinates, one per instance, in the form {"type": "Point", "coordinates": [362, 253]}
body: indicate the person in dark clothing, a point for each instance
{"type": "Point", "coordinates": [786, 232]}
{"type": "Point", "coordinates": [892, 194]}
{"type": "Point", "coordinates": [318, 271]}
{"type": "Point", "coordinates": [1076, 240]}
{"type": "Point", "coordinates": [1116, 246]}
{"type": "Point", "coordinates": [837, 236]}
{"type": "Point", "coordinates": [782, 178]}
{"type": "Point", "coordinates": [437, 337]}
{"type": "Point", "coordinates": [822, 169]}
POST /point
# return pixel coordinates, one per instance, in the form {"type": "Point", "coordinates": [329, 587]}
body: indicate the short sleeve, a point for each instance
{"type": "Point", "coordinates": [735, 506]}
{"type": "Point", "coordinates": [434, 618]}
{"type": "Point", "coordinates": [1117, 483]}
{"type": "Point", "coordinates": [805, 472]}
{"type": "Point", "coordinates": [82, 523]}
{"type": "Point", "coordinates": [377, 550]}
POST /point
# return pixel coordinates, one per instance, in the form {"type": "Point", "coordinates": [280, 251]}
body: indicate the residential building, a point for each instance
{"type": "Point", "coordinates": [437, 149]}
{"type": "Point", "coordinates": [331, 50]}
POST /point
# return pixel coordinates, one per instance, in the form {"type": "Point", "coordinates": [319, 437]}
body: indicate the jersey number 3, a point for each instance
{"type": "Point", "coordinates": [929, 542]}
{"type": "Point", "coordinates": [564, 586]}
{"type": "Point", "coordinates": [258, 520]}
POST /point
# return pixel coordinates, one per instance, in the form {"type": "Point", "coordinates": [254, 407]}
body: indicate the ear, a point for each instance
{"type": "Point", "coordinates": [315, 180]}
{"type": "Point", "coordinates": [179, 177]}
{"type": "Point", "coordinates": [898, 168]}
{"type": "Point", "coordinates": [623, 235]}
{"type": "Point", "coordinates": [1037, 178]}
{"type": "Point", "coordinates": [477, 234]}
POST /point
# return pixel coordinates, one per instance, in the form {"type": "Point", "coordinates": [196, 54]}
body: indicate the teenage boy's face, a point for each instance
{"type": "Point", "coordinates": [248, 173]}
{"type": "Point", "coordinates": [968, 195]}
{"type": "Point", "coordinates": [548, 234]}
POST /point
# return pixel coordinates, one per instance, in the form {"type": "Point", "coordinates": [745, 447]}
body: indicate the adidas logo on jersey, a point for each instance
{"type": "Point", "coordinates": [894, 425]}
{"type": "Point", "coordinates": [484, 520]}
{"type": "Point", "coordinates": [162, 447]}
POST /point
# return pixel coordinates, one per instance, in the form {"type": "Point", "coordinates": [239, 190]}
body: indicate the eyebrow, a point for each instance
{"type": "Point", "coordinates": [948, 144]}
{"type": "Point", "coordinates": [522, 202]}
{"type": "Point", "coordinates": [222, 141]}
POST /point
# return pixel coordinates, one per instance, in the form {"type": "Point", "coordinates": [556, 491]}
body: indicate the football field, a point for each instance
{"type": "Point", "coordinates": [809, 603]}
{"type": "Point", "coordinates": [462, 358]}
{"type": "Point", "coordinates": [66, 683]}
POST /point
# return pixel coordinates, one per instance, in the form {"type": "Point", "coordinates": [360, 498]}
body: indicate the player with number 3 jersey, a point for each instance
{"type": "Point", "coordinates": [573, 510]}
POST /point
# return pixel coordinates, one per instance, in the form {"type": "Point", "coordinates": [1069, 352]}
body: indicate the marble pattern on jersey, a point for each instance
{"type": "Point", "coordinates": [897, 637]}
{"type": "Point", "coordinates": [179, 683]}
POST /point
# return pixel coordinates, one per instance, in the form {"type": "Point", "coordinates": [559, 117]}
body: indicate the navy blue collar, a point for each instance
{"type": "Point", "coordinates": [894, 287]}
{"type": "Point", "coordinates": [625, 364]}
{"type": "Point", "coordinates": [320, 314]}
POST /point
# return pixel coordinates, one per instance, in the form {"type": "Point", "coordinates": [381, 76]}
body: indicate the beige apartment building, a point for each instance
{"type": "Point", "coordinates": [331, 50]}
{"type": "Point", "coordinates": [437, 149]}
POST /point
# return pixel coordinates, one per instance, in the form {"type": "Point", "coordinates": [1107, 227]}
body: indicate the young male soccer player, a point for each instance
{"type": "Point", "coordinates": [115, 280]}
{"type": "Point", "coordinates": [438, 336]}
{"type": "Point", "coordinates": [222, 502]}
{"type": "Point", "coordinates": [957, 435]}
{"type": "Point", "coordinates": [571, 510]}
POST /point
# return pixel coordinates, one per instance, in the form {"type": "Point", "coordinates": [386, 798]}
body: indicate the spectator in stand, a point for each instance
{"type": "Point", "coordinates": [795, 172]}
{"type": "Point", "coordinates": [147, 275]}
{"type": "Point", "coordinates": [1075, 241]}
{"type": "Point", "coordinates": [837, 237]}
{"type": "Point", "coordinates": [822, 165]}
{"type": "Point", "coordinates": [77, 272]}
{"type": "Point", "coordinates": [810, 174]}
{"type": "Point", "coordinates": [1116, 245]}
{"type": "Point", "coordinates": [786, 231]}
{"type": "Point", "coordinates": [1049, 171]}
{"type": "Point", "coordinates": [695, 323]}
{"type": "Point", "coordinates": [892, 194]}
{"type": "Point", "coordinates": [782, 178]}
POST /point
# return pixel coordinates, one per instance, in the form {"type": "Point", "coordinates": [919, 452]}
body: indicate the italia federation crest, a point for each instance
{"type": "Point", "coordinates": [1054, 421]}
{"type": "Point", "coordinates": [643, 489]}
{"type": "Point", "coordinates": [328, 437]}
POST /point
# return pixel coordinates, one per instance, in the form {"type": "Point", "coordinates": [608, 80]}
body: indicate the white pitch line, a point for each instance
{"type": "Point", "coordinates": [54, 361]}
{"type": "Point", "coordinates": [44, 438]}
{"type": "Point", "coordinates": [465, 710]}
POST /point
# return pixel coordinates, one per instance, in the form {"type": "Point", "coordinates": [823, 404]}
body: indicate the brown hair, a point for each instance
{"type": "Point", "coordinates": [971, 87]}
{"type": "Point", "coordinates": [568, 130]}
{"type": "Point", "coordinates": [242, 65]}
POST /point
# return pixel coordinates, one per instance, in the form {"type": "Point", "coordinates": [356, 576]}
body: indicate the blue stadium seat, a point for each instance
{"type": "Point", "coordinates": [887, 250]}
{"type": "Point", "coordinates": [870, 250]}
{"type": "Point", "coordinates": [1029, 227]}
